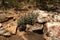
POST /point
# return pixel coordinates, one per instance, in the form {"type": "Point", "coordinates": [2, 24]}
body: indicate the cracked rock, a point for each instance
{"type": "Point", "coordinates": [52, 29]}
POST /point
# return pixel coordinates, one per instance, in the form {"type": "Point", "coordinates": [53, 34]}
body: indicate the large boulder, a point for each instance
{"type": "Point", "coordinates": [44, 16]}
{"type": "Point", "coordinates": [52, 29]}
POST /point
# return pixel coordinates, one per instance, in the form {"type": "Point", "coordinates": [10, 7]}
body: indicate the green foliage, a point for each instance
{"type": "Point", "coordinates": [27, 19]}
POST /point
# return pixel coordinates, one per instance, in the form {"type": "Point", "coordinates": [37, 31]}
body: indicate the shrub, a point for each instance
{"type": "Point", "coordinates": [27, 19]}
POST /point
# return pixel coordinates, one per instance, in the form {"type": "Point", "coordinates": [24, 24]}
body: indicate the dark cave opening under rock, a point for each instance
{"type": "Point", "coordinates": [40, 31]}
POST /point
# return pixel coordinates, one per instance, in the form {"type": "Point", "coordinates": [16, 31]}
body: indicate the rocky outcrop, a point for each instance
{"type": "Point", "coordinates": [36, 26]}
{"type": "Point", "coordinates": [45, 16]}
{"type": "Point", "coordinates": [52, 29]}
{"type": "Point", "coordinates": [8, 25]}
{"type": "Point", "coordinates": [51, 24]}
{"type": "Point", "coordinates": [46, 25]}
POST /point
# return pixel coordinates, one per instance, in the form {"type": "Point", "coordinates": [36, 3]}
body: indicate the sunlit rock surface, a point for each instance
{"type": "Point", "coordinates": [44, 16]}
{"type": "Point", "coordinates": [52, 29]}
{"type": "Point", "coordinates": [34, 27]}
{"type": "Point", "coordinates": [48, 24]}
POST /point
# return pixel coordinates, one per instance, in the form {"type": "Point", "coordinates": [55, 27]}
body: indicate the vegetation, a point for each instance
{"type": "Point", "coordinates": [27, 19]}
{"type": "Point", "coordinates": [19, 3]}
{"type": "Point", "coordinates": [30, 18]}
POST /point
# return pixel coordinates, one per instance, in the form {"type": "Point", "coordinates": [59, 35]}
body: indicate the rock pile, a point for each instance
{"type": "Point", "coordinates": [46, 23]}
{"type": "Point", "coordinates": [51, 25]}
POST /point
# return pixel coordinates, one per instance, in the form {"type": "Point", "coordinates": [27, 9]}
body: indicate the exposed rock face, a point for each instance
{"type": "Point", "coordinates": [53, 30]}
{"type": "Point", "coordinates": [34, 27]}
{"type": "Point", "coordinates": [51, 24]}
{"type": "Point", "coordinates": [7, 23]}
{"type": "Point", "coordinates": [3, 31]}
{"type": "Point", "coordinates": [43, 16]}
{"type": "Point", "coordinates": [8, 29]}
{"type": "Point", "coordinates": [47, 23]}
{"type": "Point", "coordinates": [11, 27]}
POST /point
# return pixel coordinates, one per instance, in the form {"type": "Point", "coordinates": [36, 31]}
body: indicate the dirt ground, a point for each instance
{"type": "Point", "coordinates": [26, 36]}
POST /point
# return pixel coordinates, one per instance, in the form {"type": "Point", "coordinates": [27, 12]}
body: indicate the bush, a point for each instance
{"type": "Point", "coordinates": [27, 19]}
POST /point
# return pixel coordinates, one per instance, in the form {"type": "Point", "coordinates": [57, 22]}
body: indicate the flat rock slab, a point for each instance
{"type": "Point", "coordinates": [34, 27]}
